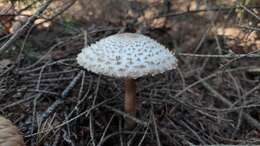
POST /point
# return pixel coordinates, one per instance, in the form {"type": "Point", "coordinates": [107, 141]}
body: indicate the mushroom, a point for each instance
{"type": "Point", "coordinates": [128, 56]}
{"type": "Point", "coordinates": [9, 134]}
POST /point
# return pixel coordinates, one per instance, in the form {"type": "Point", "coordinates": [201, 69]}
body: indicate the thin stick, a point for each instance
{"type": "Point", "coordinates": [156, 130]}
{"type": "Point", "coordinates": [220, 56]}
{"type": "Point", "coordinates": [91, 117]}
{"type": "Point", "coordinates": [105, 131]}
{"type": "Point", "coordinates": [127, 116]}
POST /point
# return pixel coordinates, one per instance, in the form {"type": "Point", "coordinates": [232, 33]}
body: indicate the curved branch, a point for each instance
{"type": "Point", "coordinates": [25, 27]}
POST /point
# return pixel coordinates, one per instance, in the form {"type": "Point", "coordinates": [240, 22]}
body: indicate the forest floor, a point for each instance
{"type": "Point", "coordinates": [213, 97]}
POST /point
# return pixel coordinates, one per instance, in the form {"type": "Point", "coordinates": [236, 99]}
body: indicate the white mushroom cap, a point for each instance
{"type": "Point", "coordinates": [127, 55]}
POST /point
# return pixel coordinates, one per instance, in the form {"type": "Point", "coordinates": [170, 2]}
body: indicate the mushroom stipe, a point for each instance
{"type": "Point", "coordinates": [130, 101]}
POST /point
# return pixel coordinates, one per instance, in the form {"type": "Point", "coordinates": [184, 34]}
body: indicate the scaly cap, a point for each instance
{"type": "Point", "coordinates": [127, 55]}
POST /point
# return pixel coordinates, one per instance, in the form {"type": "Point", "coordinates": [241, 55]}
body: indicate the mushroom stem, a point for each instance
{"type": "Point", "coordinates": [130, 101]}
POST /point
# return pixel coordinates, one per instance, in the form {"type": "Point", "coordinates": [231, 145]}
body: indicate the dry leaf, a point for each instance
{"type": "Point", "coordinates": [5, 63]}
{"type": "Point", "coordinates": [239, 40]}
{"type": "Point", "coordinates": [158, 23]}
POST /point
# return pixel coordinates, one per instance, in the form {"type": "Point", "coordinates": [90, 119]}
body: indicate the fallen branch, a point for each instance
{"type": "Point", "coordinates": [26, 26]}
{"type": "Point", "coordinates": [173, 14]}
{"type": "Point", "coordinates": [60, 100]}
{"type": "Point", "coordinates": [253, 122]}
{"type": "Point", "coordinates": [249, 55]}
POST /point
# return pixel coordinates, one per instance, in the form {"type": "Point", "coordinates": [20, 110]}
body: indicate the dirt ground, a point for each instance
{"type": "Point", "coordinates": [213, 97]}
